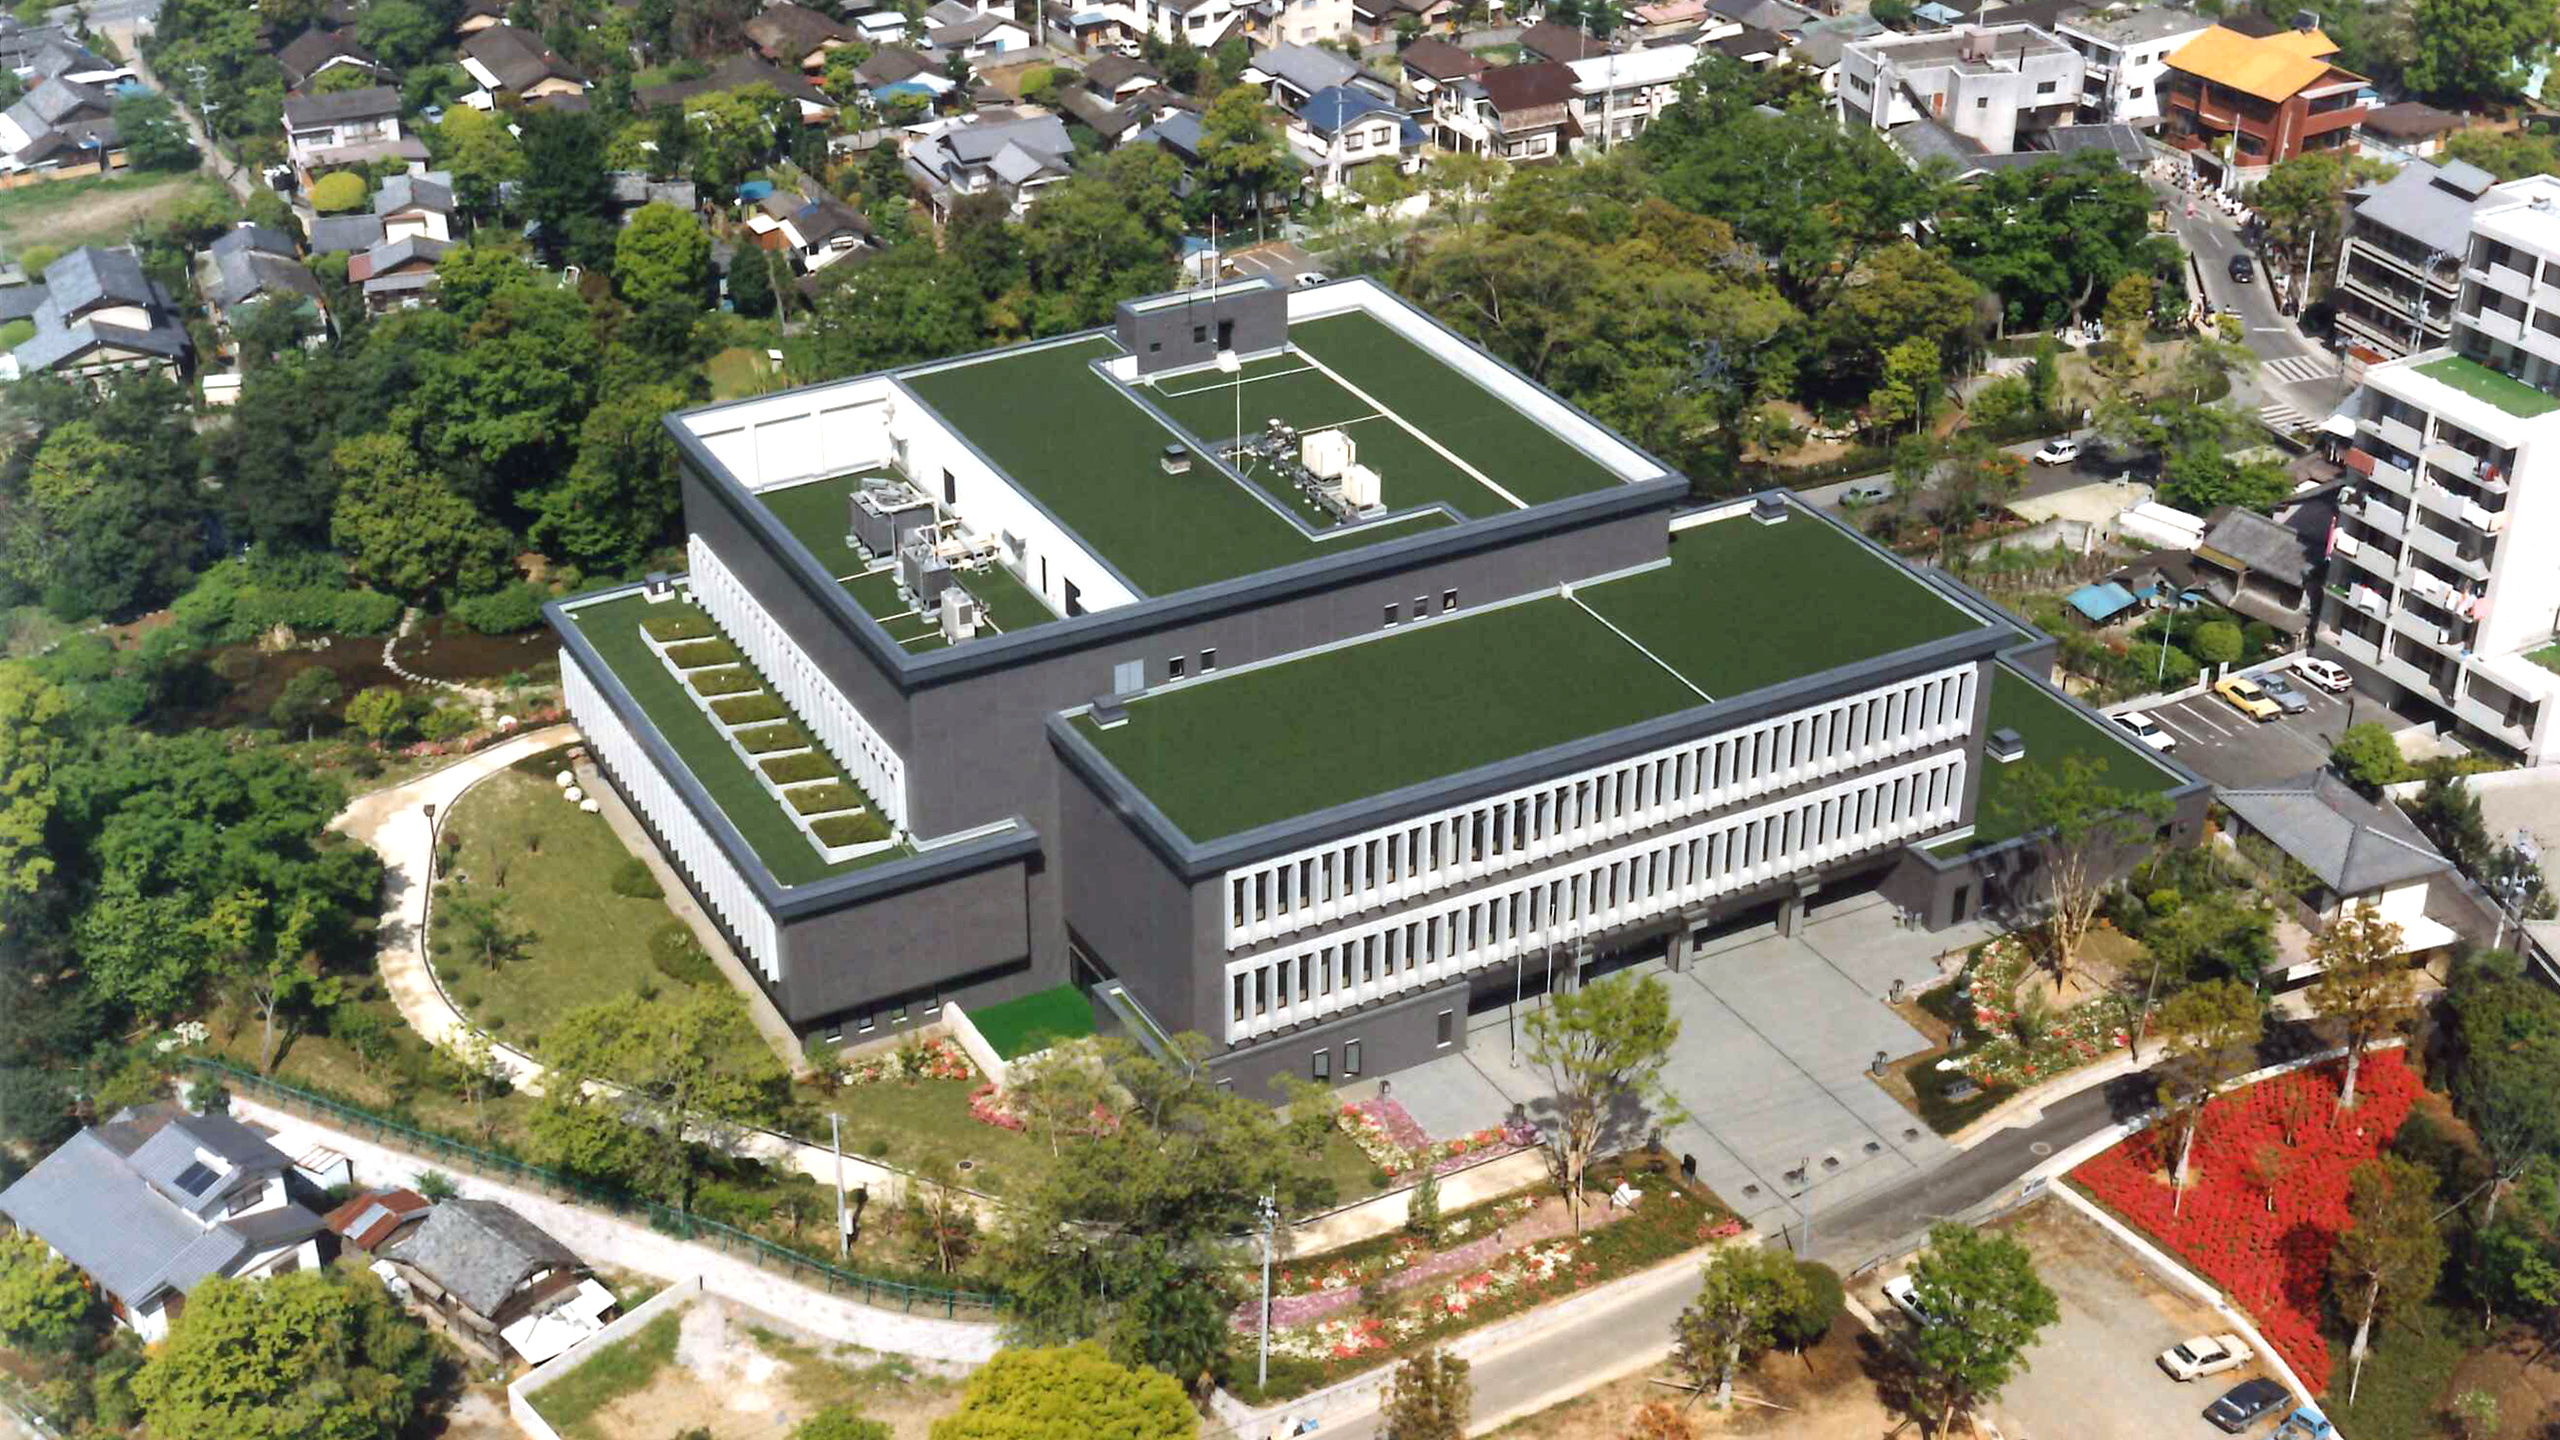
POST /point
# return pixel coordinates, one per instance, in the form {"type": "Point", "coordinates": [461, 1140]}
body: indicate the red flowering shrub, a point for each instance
{"type": "Point", "coordinates": [2273, 1260]}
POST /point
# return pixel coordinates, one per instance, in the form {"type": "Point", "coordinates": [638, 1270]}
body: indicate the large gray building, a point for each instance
{"type": "Point", "coordinates": [1273, 665]}
{"type": "Point", "coordinates": [2400, 272]}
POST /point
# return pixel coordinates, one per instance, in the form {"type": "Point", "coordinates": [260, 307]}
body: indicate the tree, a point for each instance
{"type": "Point", "coordinates": [489, 925]}
{"type": "Point", "coordinates": [938, 1217]}
{"type": "Point", "coordinates": [2050, 237]}
{"type": "Point", "coordinates": [2218, 642]}
{"type": "Point", "coordinates": [751, 282]}
{"type": "Point", "coordinates": [663, 253]}
{"type": "Point", "coordinates": [564, 190]}
{"type": "Point", "coordinates": [1072, 1392]}
{"type": "Point", "coordinates": [1430, 1398]}
{"type": "Point", "coordinates": [2127, 314]}
{"type": "Point", "coordinates": [731, 131]}
{"type": "Point", "coordinates": [104, 517]}
{"type": "Point", "coordinates": [312, 1355]}
{"type": "Point", "coordinates": [44, 1304]}
{"type": "Point", "coordinates": [1240, 154]}
{"type": "Point", "coordinates": [1747, 1293]}
{"type": "Point", "coordinates": [2369, 758]}
{"type": "Point", "coordinates": [287, 981]}
{"type": "Point", "coordinates": [1910, 381]}
{"type": "Point", "coordinates": [338, 192]}
{"type": "Point", "coordinates": [155, 138]}
{"type": "Point", "coordinates": [2299, 202]}
{"type": "Point", "coordinates": [400, 33]}
{"type": "Point", "coordinates": [907, 305]}
{"type": "Point", "coordinates": [404, 528]}
{"type": "Point", "coordinates": [2365, 981]}
{"type": "Point", "coordinates": [2083, 828]}
{"type": "Point", "coordinates": [674, 1072]}
{"type": "Point", "coordinates": [619, 498]}
{"type": "Point", "coordinates": [476, 147]}
{"type": "Point", "coordinates": [1987, 1305]}
{"type": "Point", "coordinates": [2213, 1031]}
{"type": "Point", "coordinates": [1602, 1046]}
{"type": "Point", "coordinates": [306, 696]}
{"type": "Point", "coordinates": [2508, 1032]}
{"type": "Point", "coordinates": [35, 724]}
{"type": "Point", "coordinates": [381, 712]}
{"type": "Point", "coordinates": [469, 1064]}
{"type": "Point", "coordinates": [2393, 1254]}
{"type": "Point", "coordinates": [2467, 50]}
{"type": "Point", "coordinates": [838, 1422]}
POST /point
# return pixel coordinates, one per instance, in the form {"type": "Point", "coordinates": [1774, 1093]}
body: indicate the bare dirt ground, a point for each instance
{"type": "Point", "coordinates": [745, 1375]}
{"type": "Point", "coordinates": [1825, 1394]}
{"type": "Point", "coordinates": [2528, 1396]}
{"type": "Point", "coordinates": [72, 211]}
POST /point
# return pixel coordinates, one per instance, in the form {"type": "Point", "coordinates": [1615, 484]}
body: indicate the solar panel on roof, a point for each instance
{"type": "Point", "coordinates": [195, 1178]}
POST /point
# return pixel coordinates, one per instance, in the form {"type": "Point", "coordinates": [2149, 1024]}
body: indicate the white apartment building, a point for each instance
{"type": "Point", "coordinates": [1992, 84]}
{"type": "Point", "coordinates": [2126, 55]}
{"type": "Point", "coordinates": [2442, 581]}
{"type": "Point", "coordinates": [1616, 96]}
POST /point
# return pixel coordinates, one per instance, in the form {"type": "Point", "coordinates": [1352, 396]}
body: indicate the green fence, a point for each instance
{"type": "Point", "coordinates": [869, 1289]}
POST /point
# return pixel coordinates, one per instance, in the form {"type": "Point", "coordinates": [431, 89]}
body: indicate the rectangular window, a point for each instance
{"type": "Point", "coordinates": [1391, 616]}
{"type": "Point", "coordinates": [1421, 606]}
{"type": "Point", "coordinates": [862, 1021]}
{"type": "Point", "coordinates": [950, 488]}
{"type": "Point", "coordinates": [835, 1031]}
{"type": "Point", "coordinates": [1322, 1068]}
{"type": "Point", "coordinates": [1239, 1015]}
{"type": "Point", "coordinates": [1199, 334]}
{"type": "Point", "coordinates": [1173, 668]}
{"type": "Point", "coordinates": [1350, 1058]}
{"type": "Point", "coordinates": [1128, 677]}
{"type": "Point", "coordinates": [1445, 1028]}
{"type": "Point", "coordinates": [1448, 601]}
{"type": "Point", "coordinates": [1208, 661]}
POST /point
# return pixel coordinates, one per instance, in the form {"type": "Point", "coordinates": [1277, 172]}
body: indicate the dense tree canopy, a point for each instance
{"type": "Point", "coordinates": [314, 1355]}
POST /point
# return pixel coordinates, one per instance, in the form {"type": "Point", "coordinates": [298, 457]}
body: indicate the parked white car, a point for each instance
{"type": "Point", "coordinates": [2148, 731]}
{"type": "Point", "coordinates": [2202, 1355]}
{"type": "Point", "coordinates": [2327, 674]}
{"type": "Point", "coordinates": [2058, 452]}
{"type": "Point", "coordinates": [1906, 1298]}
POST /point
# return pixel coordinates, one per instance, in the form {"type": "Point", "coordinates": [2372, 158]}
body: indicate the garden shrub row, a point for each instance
{"type": "Point", "coordinates": [666, 629]}
{"type": "Point", "coordinates": [245, 597]}
{"type": "Point", "coordinates": [694, 654]}
{"type": "Point", "coordinates": [736, 680]}
{"type": "Point", "coordinates": [748, 709]}
{"type": "Point", "coordinates": [819, 799]}
{"type": "Point", "coordinates": [792, 769]}
{"type": "Point", "coordinates": [863, 829]}
{"type": "Point", "coordinates": [680, 957]}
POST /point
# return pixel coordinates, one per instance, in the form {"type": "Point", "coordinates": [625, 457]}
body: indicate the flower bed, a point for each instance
{"type": "Point", "coordinates": [1395, 1141]}
{"type": "Point", "coordinates": [1356, 1265]}
{"type": "Point", "coordinates": [695, 654]}
{"type": "Point", "coordinates": [2272, 1257]}
{"type": "Point", "coordinates": [1668, 1219]}
{"type": "Point", "coordinates": [2075, 1036]}
{"type": "Point", "coordinates": [939, 1058]}
{"type": "Point", "coordinates": [988, 1106]}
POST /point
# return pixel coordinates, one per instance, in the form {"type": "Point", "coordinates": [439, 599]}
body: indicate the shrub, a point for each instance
{"type": "Point", "coordinates": [735, 680]}
{"type": "Point", "coordinates": [792, 769]}
{"type": "Point", "coordinates": [694, 654]}
{"type": "Point", "coordinates": [748, 709]}
{"type": "Point", "coordinates": [502, 612]}
{"type": "Point", "coordinates": [876, 1147]}
{"type": "Point", "coordinates": [436, 1185]}
{"type": "Point", "coordinates": [339, 193]}
{"type": "Point", "coordinates": [819, 799]}
{"type": "Point", "coordinates": [732, 1204]}
{"type": "Point", "coordinates": [785, 736]}
{"type": "Point", "coordinates": [680, 957]}
{"type": "Point", "coordinates": [1804, 1327]}
{"type": "Point", "coordinates": [246, 596]}
{"type": "Point", "coordinates": [16, 333]}
{"type": "Point", "coordinates": [449, 722]}
{"type": "Point", "coordinates": [862, 829]}
{"type": "Point", "coordinates": [632, 880]}
{"type": "Point", "coordinates": [470, 999]}
{"type": "Point", "coordinates": [666, 629]}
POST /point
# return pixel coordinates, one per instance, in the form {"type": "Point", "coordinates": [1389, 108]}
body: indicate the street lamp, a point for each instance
{"type": "Point", "coordinates": [1270, 1211]}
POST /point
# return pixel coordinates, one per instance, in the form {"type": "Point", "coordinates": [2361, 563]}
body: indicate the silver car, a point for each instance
{"type": "Point", "coordinates": [2281, 691]}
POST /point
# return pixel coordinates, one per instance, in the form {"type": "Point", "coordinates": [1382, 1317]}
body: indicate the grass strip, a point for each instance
{"type": "Point", "coordinates": [766, 740]}
{"type": "Point", "coordinates": [819, 799]}
{"type": "Point", "coordinates": [624, 1368]}
{"type": "Point", "coordinates": [792, 769]}
{"type": "Point", "coordinates": [694, 654]}
{"type": "Point", "coordinates": [666, 629]}
{"type": "Point", "coordinates": [736, 680]}
{"type": "Point", "coordinates": [860, 829]}
{"type": "Point", "coordinates": [749, 710]}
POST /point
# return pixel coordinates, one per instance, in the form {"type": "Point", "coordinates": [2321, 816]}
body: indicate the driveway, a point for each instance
{"type": "Point", "coordinates": [1278, 259]}
{"type": "Point", "coordinates": [2236, 752]}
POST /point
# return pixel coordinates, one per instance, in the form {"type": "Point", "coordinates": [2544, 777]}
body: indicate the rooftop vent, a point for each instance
{"type": "Point", "coordinates": [1769, 509]}
{"type": "Point", "coordinates": [661, 586]}
{"type": "Point", "coordinates": [2005, 745]}
{"type": "Point", "coordinates": [1109, 713]}
{"type": "Point", "coordinates": [1175, 460]}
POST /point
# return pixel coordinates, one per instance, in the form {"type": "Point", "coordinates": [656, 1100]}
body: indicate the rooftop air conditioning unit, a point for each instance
{"type": "Point", "coordinates": [959, 616]}
{"type": "Point", "coordinates": [1359, 485]}
{"type": "Point", "coordinates": [922, 574]}
{"type": "Point", "coordinates": [1769, 509]}
{"type": "Point", "coordinates": [885, 514]}
{"type": "Point", "coordinates": [1327, 453]}
{"type": "Point", "coordinates": [2005, 745]}
{"type": "Point", "coordinates": [1176, 460]}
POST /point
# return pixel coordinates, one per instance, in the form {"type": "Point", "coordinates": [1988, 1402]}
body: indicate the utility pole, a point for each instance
{"type": "Point", "coordinates": [835, 1142]}
{"type": "Point", "coordinates": [1270, 1223]}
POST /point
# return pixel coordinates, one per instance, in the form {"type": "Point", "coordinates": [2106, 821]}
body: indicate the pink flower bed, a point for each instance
{"type": "Point", "coordinates": [1395, 1141]}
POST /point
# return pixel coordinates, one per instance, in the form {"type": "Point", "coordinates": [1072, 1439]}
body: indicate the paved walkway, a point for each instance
{"type": "Point", "coordinates": [610, 1240]}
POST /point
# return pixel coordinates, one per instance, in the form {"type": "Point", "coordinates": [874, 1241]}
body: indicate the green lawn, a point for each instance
{"type": "Point", "coordinates": [625, 1367]}
{"type": "Point", "coordinates": [2053, 729]}
{"type": "Point", "coordinates": [613, 628]}
{"type": "Point", "coordinates": [100, 210]}
{"type": "Point", "coordinates": [1373, 717]}
{"type": "Point", "coordinates": [818, 515]}
{"type": "Point", "coordinates": [2548, 657]}
{"type": "Point", "coordinates": [2484, 384]}
{"type": "Point", "coordinates": [1018, 1027]}
{"type": "Point", "coordinates": [1007, 601]}
{"type": "Point", "coordinates": [905, 1125]}
{"type": "Point", "coordinates": [589, 943]}
{"type": "Point", "coordinates": [1743, 605]}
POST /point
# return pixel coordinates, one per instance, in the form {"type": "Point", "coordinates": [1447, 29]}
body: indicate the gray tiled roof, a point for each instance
{"type": "Point", "coordinates": [343, 234]}
{"type": "Point", "coordinates": [247, 275]}
{"type": "Point", "coordinates": [91, 276]}
{"type": "Point", "coordinates": [2354, 846]}
{"type": "Point", "coordinates": [58, 100]}
{"type": "Point", "coordinates": [19, 302]}
{"type": "Point", "coordinates": [1304, 67]}
{"type": "Point", "coordinates": [371, 103]}
{"type": "Point", "coordinates": [517, 58]}
{"type": "Point", "coordinates": [2430, 204]}
{"type": "Point", "coordinates": [2259, 543]}
{"type": "Point", "coordinates": [479, 1250]}
{"type": "Point", "coordinates": [407, 192]}
{"type": "Point", "coordinates": [246, 237]}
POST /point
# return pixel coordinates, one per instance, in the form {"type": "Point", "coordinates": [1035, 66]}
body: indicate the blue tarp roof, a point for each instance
{"type": "Point", "coordinates": [2102, 602]}
{"type": "Point", "coordinates": [754, 190]}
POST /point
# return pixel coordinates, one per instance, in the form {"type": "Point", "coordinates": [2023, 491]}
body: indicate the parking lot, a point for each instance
{"type": "Point", "coordinates": [2094, 1375]}
{"type": "Point", "coordinates": [2233, 751]}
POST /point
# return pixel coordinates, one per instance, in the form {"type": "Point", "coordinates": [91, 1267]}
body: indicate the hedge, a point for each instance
{"type": "Point", "coordinates": [792, 769]}
{"type": "Point", "coordinates": [819, 799]}
{"type": "Point", "coordinates": [748, 709]}
{"type": "Point", "coordinates": [860, 829]}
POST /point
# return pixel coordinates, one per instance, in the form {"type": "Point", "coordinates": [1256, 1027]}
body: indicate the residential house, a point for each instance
{"type": "Point", "coordinates": [1819, 48]}
{"type": "Point", "coordinates": [1520, 112]}
{"type": "Point", "coordinates": [61, 128]}
{"type": "Point", "coordinates": [345, 234]}
{"type": "Point", "coordinates": [1750, 47]}
{"type": "Point", "coordinates": [954, 28]}
{"type": "Point", "coordinates": [824, 230]}
{"type": "Point", "coordinates": [398, 274]}
{"type": "Point", "coordinates": [796, 36]}
{"type": "Point", "coordinates": [249, 266]}
{"type": "Point", "coordinates": [2400, 272]}
{"type": "Point", "coordinates": [64, 58]}
{"type": "Point", "coordinates": [1339, 130]}
{"type": "Point", "coordinates": [350, 127]}
{"type": "Point", "coordinates": [1995, 85]}
{"type": "Point", "coordinates": [631, 190]}
{"type": "Point", "coordinates": [1177, 133]}
{"type": "Point", "coordinates": [1303, 22]}
{"type": "Point", "coordinates": [367, 1221]}
{"type": "Point", "coordinates": [1014, 155]}
{"type": "Point", "coordinates": [894, 70]}
{"type": "Point", "coordinates": [2262, 568]}
{"type": "Point", "coordinates": [1114, 124]}
{"type": "Point", "coordinates": [479, 15]}
{"type": "Point", "coordinates": [2361, 854]}
{"type": "Point", "coordinates": [1375, 22]}
{"type": "Point", "coordinates": [736, 73]}
{"type": "Point", "coordinates": [2415, 130]}
{"type": "Point", "coordinates": [1666, 18]}
{"type": "Point", "coordinates": [416, 205]}
{"type": "Point", "coordinates": [19, 42]}
{"type": "Point", "coordinates": [315, 52]}
{"type": "Point", "coordinates": [498, 1278]}
{"type": "Point", "coordinates": [1616, 96]}
{"type": "Point", "coordinates": [2240, 104]}
{"type": "Point", "coordinates": [1547, 40]}
{"type": "Point", "coordinates": [2126, 55]}
{"type": "Point", "coordinates": [1292, 73]}
{"type": "Point", "coordinates": [1118, 78]}
{"type": "Point", "coordinates": [509, 63]}
{"type": "Point", "coordinates": [1430, 63]}
{"type": "Point", "coordinates": [1780, 16]}
{"type": "Point", "coordinates": [156, 1201]}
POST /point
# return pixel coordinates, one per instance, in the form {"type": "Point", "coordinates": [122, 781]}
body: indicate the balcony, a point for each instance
{"type": "Point", "coordinates": [2490, 323]}
{"type": "Point", "coordinates": [2460, 462]}
{"type": "Point", "coordinates": [2380, 516]}
{"type": "Point", "coordinates": [2482, 519]}
{"type": "Point", "coordinates": [2437, 545]}
{"type": "Point", "coordinates": [2399, 434]}
{"type": "Point", "coordinates": [2428, 586]}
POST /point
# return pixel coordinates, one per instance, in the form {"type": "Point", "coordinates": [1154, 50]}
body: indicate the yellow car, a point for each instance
{"type": "Point", "coordinates": [2245, 696]}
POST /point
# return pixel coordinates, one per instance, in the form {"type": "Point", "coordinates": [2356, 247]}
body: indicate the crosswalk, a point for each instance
{"type": "Point", "coordinates": [2284, 419]}
{"type": "Point", "coordinates": [2299, 369]}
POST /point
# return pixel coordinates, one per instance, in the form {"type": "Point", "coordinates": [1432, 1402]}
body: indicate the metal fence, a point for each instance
{"type": "Point", "coordinates": [835, 1280]}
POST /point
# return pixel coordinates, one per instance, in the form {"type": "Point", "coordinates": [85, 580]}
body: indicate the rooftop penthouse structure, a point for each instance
{"type": "Point", "coordinates": [1275, 665]}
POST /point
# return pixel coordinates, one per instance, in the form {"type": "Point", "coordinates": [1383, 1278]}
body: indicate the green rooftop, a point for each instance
{"type": "Point", "coordinates": [2053, 730]}
{"type": "Point", "coordinates": [613, 628]}
{"type": "Point", "coordinates": [818, 514]}
{"type": "Point", "coordinates": [1737, 608]}
{"type": "Point", "coordinates": [2484, 384]}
